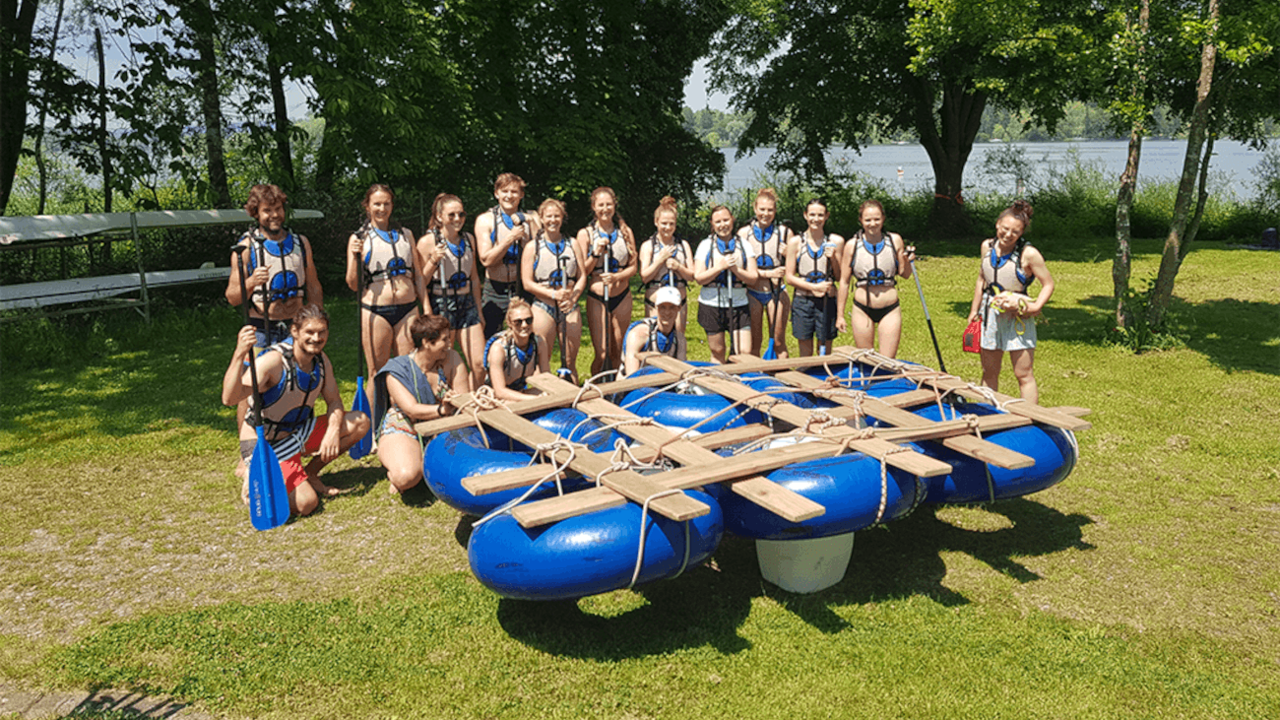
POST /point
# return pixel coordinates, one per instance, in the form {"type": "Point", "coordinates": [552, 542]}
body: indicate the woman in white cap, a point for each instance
{"type": "Point", "coordinates": [655, 334]}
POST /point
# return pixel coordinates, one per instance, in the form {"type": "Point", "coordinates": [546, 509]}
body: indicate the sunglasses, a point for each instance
{"type": "Point", "coordinates": [522, 321]}
{"type": "Point", "coordinates": [456, 215]}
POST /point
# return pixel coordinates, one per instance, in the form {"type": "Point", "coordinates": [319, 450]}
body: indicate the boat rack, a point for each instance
{"type": "Point", "coordinates": [837, 429]}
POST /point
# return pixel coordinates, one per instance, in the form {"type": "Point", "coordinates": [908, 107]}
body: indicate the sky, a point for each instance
{"type": "Point", "coordinates": [695, 91]}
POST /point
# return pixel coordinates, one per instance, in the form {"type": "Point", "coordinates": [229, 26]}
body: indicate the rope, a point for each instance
{"type": "Point", "coordinates": [644, 531]}
{"type": "Point", "coordinates": [546, 449]}
{"type": "Point", "coordinates": [884, 481]}
{"type": "Point", "coordinates": [482, 398]}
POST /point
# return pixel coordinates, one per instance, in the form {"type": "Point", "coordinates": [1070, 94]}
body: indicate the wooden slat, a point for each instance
{"type": "Point", "coordinates": [912, 462]}
{"type": "Point", "coordinates": [948, 383]}
{"type": "Point", "coordinates": [428, 428]}
{"type": "Point", "coordinates": [910, 398]}
{"type": "Point", "coordinates": [758, 489]}
{"type": "Point", "coordinates": [629, 484]}
{"type": "Point", "coordinates": [964, 444]}
{"type": "Point", "coordinates": [543, 512]}
{"type": "Point", "coordinates": [1072, 410]}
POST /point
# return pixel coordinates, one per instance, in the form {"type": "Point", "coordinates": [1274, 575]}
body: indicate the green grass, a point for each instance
{"type": "Point", "coordinates": [1144, 586]}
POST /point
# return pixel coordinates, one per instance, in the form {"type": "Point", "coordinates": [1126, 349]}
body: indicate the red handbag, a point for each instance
{"type": "Point", "coordinates": [972, 340]}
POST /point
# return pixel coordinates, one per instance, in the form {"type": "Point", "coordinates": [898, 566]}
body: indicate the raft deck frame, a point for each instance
{"type": "Point", "coordinates": [699, 465]}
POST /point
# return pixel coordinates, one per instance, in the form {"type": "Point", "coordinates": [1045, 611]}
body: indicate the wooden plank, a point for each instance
{"type": "Point", "coordinates": [912, 462]}
{"type": "Point", "coordinates": [428, 428]}
{"type": "Point", "coordinates": [629, 484]}
{"type": "Point", "coordinates": [964, 444]}
{"type": "Point", "coordinates": [758, 489]}
{"type": "Point", "coordinates": [950, 383]}
{"type": "Point", "coordinates": [1072, 410]}
{"type": "Point", "coordinates": [910, 398]}
{"type": "Point", "coordinates": [543, 512]}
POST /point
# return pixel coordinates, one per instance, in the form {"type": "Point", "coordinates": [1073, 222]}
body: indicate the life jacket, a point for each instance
{"type": "Point", "coordinates": [455, 267]}
{"type": "Point", "coordinates": [1004, 272]}
{"type": "Point", "coordinates": [670, 277]}
{"type": "Point", "coordinates": [388, 254]}
{"type": "Point", "coordinates": [286, 262]}
{"type": "Point", "coordinates": [814, 268]}
{"type": "Point", "coordinates": [617, 255]}
{"type": "Point", "coordinates": [512, 256]}
{"type": "Point", "coordinates": [768, 259]}
{"type": "Point", "coordinates": [665, 343]}
{"type": "Point", "coordinates": [719, 248]}
{"type": "Point", "coordinates": [517, 364]}
{"type": "Point", "coordinates": [288, 408]}
{"type": "Point", "coordinates": [554, 266]}
{"type": "Point", "coordinates": [874, 264]}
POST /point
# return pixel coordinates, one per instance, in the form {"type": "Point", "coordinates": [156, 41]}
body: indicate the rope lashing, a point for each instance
{"type": "Point", "coordinates": [482, 398]}
{"type": "Point", "coordinates": [557, 468]}
{"type": "Point", "coordinates": [644, 531]}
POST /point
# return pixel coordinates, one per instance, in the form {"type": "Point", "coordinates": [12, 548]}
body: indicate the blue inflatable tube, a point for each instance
{"type": "Point", "coordinates": [686, 409]}
{"type": "Point", "coordinates": [848, 487]}
{"type": "Point", "coordinates": [1053, 449]}
{"type": "Point", "coordinates": [589, 554]}
{"type": "Point", "coordinates": [451, 456]}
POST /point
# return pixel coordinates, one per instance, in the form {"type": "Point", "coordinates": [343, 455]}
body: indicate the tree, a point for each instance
{"type": "Point", "coordinates": [17, 21]}
{"type": "Point", "coordinates": [833, 72]}
{"type": "Point", "coordinates": [1219, 74]}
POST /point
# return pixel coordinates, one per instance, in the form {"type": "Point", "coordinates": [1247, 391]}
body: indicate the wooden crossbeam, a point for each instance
{"type": "Point", "coordinates": [914, 463]}
{"type": "Point", "coordinates": [758, 489]}
{"type": "Point", "coordinates": [526, 476]}
{"type": "Point", "coordinates": [427, 428]}
{"type": "Point", "coordinates": [626, 483]}
{"type": "Point", "coordinates": [558, 508]}
{"type": "Point", "coordinates": [964, 444]}
{"type": "Point", "coordinates": [948, 384]}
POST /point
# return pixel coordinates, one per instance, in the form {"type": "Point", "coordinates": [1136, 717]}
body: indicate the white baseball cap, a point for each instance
{"type": "Point", "coordinates": [666, 294]}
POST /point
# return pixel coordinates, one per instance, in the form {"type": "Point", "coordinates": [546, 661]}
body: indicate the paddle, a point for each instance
{"type": "Point", "coordinates": [268, 497]}
{"type": "Point", "coordinates": [562, 323]}
{"type": "Point", "coordinates": [360, 403]}
{"type": "Point", "coordinates": [729, 314]}
{"type": "Point", "coordinates": [915, 274]}
{"type": "Point", "coordinates": [769, 352]}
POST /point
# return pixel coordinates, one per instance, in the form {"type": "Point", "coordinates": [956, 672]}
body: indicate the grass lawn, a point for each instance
{"type": "Point", "coordinates": [1146, 585]}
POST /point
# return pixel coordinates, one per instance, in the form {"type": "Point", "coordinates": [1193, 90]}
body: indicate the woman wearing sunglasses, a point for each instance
{"type": "Point", "coordinates": [515, 354]}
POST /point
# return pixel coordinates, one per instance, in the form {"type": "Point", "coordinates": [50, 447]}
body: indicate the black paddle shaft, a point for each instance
{"type": "Point", "coordinates": [253, 364]}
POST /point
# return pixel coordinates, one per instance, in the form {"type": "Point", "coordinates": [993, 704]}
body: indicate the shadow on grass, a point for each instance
{"type": "Point", "coordinates": [1233, 334]}
{"type": "Point", "coordinates": [709, 603]}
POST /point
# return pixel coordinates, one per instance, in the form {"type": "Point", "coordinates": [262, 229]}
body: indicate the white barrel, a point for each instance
{"type": "Point", "coordinates": [805, 566]}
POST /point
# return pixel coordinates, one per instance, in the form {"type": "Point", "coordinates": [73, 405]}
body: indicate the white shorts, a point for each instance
{"type": "Point", "coordinates": [1006, 331]}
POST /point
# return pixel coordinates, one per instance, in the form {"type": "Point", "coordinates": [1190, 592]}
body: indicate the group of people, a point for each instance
{"type": "Point", "coordinates": [422, 297]}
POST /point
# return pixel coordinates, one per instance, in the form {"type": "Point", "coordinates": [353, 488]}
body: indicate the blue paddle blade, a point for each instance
{"type": "Point", "coordinates": [565, 373]}
{"type": "Point", "coordinates": [769, 352]}
{"type": "Point", "coordinates": [268, 499]}
{"type": "Point", "coordinates": [364, 445]}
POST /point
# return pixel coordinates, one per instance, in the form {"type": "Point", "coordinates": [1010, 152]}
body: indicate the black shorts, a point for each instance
{"type": "Point", "coordinates": [813, 316]}
{"type": "Point", "coordinates": [459, 310]}
{"type": "Point", "coordinates": [495, 298]}
{"type": "Point", "coordinates": [719, 319]}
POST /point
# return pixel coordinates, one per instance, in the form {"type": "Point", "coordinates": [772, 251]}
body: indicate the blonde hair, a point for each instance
{"type": "Point", "coordinates": [552, 202]}
{"type": "Point", "coordinates": [768, 194]}
{"type": "Point", "coordinates": [517, 303]}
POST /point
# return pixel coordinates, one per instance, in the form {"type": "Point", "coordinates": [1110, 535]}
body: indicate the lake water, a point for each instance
{"type": "Point", "coordinates": [907, 167]}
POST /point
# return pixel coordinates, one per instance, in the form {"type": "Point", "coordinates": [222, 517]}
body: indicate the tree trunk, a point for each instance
{"type": "Point", "coordinates": [1121, 266]}
{"type": "Point", "coordinates": [285, 155]}
{"type": "Point", "coordinates": [1201, 200]}
{"type": "Point", "coordinates": [947, 136]}
{"type": "Point", "coordinates": [102, 124]}
{"type": "Point", "coordinates": [42, 173]}
{"type": "Point", "coordinates": [16, 22]}
{"type": "Point", "coordinates": [1177, 245]}
{"type": "Point", "coordinates": [210, 100]}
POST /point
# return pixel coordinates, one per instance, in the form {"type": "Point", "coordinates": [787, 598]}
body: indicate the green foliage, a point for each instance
{"type": "Point", "coordinates": [1139, 336]}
